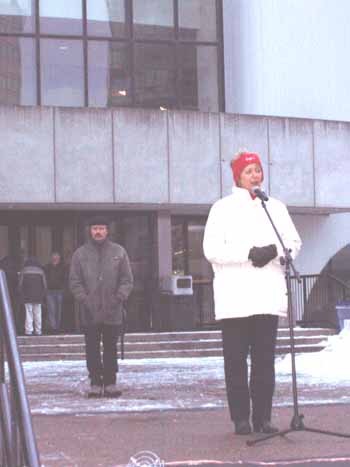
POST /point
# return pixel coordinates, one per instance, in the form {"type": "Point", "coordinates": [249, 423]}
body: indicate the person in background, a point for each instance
{"type": "Point", "coordinates": [9, 265]}
{"type": "Point", "coordinates": [32, 289]}
{"type": "Point", "coordinates": [55, 273]}
{"type": "Point", "coordinates": [249, 290]}
{"type": "Point", "coordinates": [101, 280]}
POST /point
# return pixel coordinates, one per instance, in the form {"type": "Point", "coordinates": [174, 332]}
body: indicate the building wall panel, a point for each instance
{"type": "Point", "coordinates": [332, 163]}
{"type": "Point", "coordinates": [141, 156]}
{"type": "Point", "coordinates": [26, 161]}
{"type": "Point", "coordinates": [291, 161]}
{"type": "Point", "coordinates": [194, 157]}
{"type": "Point", "coordinates": [83, 154]}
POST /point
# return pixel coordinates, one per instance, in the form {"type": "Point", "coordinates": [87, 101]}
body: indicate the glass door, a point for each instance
{"type": "Point", "coordinates": [188, 258]}
{"type": "Point", "coordinates": [38, 234]}
{"type": "Point", "coordinates": [133, 233]}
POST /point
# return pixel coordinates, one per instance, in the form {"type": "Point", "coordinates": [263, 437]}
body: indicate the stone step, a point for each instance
{"type": "Point", "coordinates": [160, 345]}
{"type": "Point", "coordinates": [164, 353]}
{"type": "Point", "coordinates": [164, 336]}
{"type": "Point", "coordinates": [57, 348]}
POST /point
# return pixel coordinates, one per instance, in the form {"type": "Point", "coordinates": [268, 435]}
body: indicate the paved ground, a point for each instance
{"type": "Point", "coordinates": [175, 409]}
{"type": "Point", "coordinates": [108, 440]}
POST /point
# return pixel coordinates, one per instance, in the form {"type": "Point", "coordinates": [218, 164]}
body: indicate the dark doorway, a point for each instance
{"type": "Point", "coordinates": [34, 233]}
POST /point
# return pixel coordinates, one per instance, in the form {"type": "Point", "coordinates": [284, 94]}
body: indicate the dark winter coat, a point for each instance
{"type": "Point", "coordinates": [32, 284]}
{"type": "Point", "coordinates": [55, 276]}
{"type": "Point", "coordinates": [100, 279]}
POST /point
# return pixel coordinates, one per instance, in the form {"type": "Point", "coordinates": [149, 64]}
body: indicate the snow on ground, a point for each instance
{"type": "Point", "coordinates": [58, 387]}
{"type": "Point", "coordinates": [327, 366]}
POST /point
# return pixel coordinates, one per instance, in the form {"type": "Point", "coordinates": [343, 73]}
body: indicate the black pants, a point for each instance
{"type": "Point", "coordinates": [255, 335]}
{"type": "Point", "coordinates": [102, 372]}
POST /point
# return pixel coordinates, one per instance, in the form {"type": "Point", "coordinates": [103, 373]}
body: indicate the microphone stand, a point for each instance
{"type": "Point", "coordinates": [297, 423]}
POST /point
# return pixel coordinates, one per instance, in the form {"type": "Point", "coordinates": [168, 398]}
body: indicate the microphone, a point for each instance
{"type": "Point", "coordinates": [259, 193]}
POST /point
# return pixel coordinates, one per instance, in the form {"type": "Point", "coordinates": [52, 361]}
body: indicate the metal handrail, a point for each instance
{"type": "Point", "coordinates": [22, 409]}
{"type": "Point", "coordinates": [301, 296]}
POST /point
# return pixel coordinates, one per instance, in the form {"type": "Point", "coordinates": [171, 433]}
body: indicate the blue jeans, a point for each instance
{"type": "Point", "coordinates": [54, 309]}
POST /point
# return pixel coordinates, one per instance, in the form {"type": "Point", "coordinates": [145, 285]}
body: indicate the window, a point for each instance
{"type": "Point", "coordinates": [61, 17]}
{"type": "Point", "coordinates": [106, 19]}
{"type": "Point", "coordinates": [17, 71]}
{"type": "Point", "coordinates": [108, 53]}
{"type": "Point", "coordinates": [198, 266]}
{"type": "Point", "coordinates": [155, 75]}
{"type": "Point", "coordinates": [17, 17]}
{"type": "Point", "coordinates": [197, 20]}
{"type": "Point", "coordinates": [62, 72]}
{"type": "Point", "coordinates": [198, 78]}
{"type": "Point", "coordinates": [153, 19]}
{"type": "Point", "coordinates": [109, 75]}
{"type": "Point", "coordinates": [187, 248]}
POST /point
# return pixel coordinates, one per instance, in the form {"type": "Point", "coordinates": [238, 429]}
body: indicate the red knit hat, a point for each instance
{"type": "Point", "coordinates": [244, 159]}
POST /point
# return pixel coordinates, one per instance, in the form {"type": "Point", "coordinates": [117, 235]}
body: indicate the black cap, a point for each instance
{"type": "Point", "coordinates": [98, 220]}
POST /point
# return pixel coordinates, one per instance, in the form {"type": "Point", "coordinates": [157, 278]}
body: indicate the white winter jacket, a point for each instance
{"type": "Point", "coordinates": [235, 224]}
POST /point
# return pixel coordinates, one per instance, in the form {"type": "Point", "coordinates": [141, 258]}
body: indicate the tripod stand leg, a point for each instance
{"type": "Point", "coordinates": [264, 438]}
{"type": "Point", "coordinates": [290, 430]}
{"type": "Point", "coordinates": [326, 432]}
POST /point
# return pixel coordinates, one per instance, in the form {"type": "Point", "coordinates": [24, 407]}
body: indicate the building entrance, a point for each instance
{"type": "Point", "coordinates": [33, 233]}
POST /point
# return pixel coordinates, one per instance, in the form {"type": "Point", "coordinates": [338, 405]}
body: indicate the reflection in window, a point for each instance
{"type": "Point", "coordinates": [17, 16]}
{"type": "Point", "coordinates": [198, 78]}
{"type": "Point", "coordinates": [197, 20]}
{"type": "Point", "coordinates": [109, 77]}
{"type": "Point", "coordinates": [106, 18]}
{"type": "Point", "coordinates": [134, 234]}
{"type": "Point", "coordinates": [62, 72]}
{"type": "Point", "coordinates": [57, 17]}
{"type": "Point", "coordinates": [17, 71]}
{"type": "Point", "coordinates": [198, 266]}
{"type": "Point", "coordinates": [178, 245]}
{"type": "Point", "coordinates": [155, 75]}
{"type": "Point", "coordinates": [153, 19]}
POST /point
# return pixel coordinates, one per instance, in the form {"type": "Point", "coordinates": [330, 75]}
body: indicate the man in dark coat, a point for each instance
{"type": "Point", "coordinates": [101, 280]}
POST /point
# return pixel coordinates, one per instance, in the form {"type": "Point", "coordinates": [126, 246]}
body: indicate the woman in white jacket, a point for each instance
{"type": "Point", "coordinates": [249, 290]}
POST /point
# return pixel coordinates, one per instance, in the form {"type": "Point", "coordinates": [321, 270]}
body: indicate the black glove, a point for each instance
{"type": "Point", "coordinates": [260, 256]}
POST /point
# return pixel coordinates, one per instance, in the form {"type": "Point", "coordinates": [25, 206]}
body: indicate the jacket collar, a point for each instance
{"type": "Point", "coordinates": [242, 194]}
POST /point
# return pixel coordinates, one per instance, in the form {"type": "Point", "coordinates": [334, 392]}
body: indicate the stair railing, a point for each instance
{"type": "Point", "coordinates": [318, 293]}
{"type": "Point", "coordinates": [15, 412]}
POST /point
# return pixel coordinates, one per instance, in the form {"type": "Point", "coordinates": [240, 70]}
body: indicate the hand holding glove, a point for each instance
{"type": "Point", "coordinates": [260, 256]}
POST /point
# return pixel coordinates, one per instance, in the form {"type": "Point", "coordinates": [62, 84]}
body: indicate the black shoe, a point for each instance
{"type": "Point", "coordinates": [111, 390]}
{"type": "Point", "coordinates": [265, 427]}
{"type": "Point", "coordinates": [242, 427]}
{"type": "Point", "coordinates": [95, 391]}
